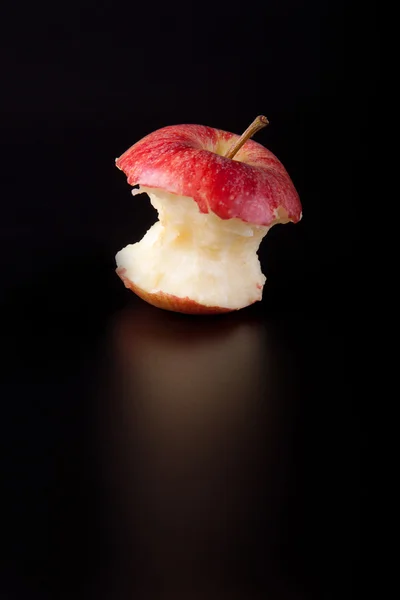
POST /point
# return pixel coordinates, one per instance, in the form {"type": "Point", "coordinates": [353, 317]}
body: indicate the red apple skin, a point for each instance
{"type": "Point", "coordinates": [254, 186]}
{"type": "Point", "coordinates": [170, 302]}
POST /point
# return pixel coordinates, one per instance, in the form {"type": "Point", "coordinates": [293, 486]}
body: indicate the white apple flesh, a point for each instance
{"type": "Point", "coordinates": [213, 211]}
{"type": "Point", "coordinates": [189, 254]}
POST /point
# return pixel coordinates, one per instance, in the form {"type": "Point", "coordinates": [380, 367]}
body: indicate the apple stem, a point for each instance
{"type": "Point", "coordinates": [258, 123]}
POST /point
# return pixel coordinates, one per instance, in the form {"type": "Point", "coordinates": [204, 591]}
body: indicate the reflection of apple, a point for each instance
{"type": "Point", "coordinates": [196, 427]}
{"type": "Point", "coordinates": [217, 195]}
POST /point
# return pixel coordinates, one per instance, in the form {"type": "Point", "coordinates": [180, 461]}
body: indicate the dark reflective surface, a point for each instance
{"type": "Point", "coordinates": [154, 455]}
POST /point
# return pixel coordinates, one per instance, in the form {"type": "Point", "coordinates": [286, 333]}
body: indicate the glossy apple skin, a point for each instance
{"type": "Point", "coordinates": [170, 302]}
{"type": "Point", "coordinates": [187, 160]}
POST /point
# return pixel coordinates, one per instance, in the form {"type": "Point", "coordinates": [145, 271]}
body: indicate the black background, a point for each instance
{"type": "Point", "coordinates": [80, 83]}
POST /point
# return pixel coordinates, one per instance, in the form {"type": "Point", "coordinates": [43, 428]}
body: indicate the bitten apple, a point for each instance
{"type": "Point", "coordinates": [217, 195]}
